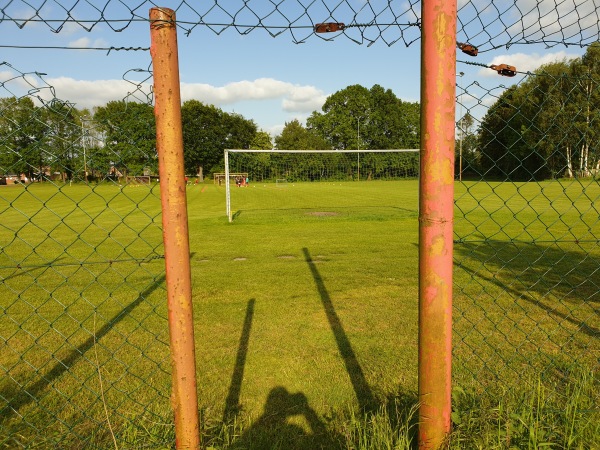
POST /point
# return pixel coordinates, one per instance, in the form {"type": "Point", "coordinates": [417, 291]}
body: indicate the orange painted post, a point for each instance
{"type": "Point", "coordinates": [436, 204]}
{"type": "Point", "coordinates": [169, 145]}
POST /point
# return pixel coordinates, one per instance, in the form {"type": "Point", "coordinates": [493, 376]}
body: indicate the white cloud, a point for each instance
{"type": "Point", "coordinates": [554, 21]}
{"type": "Point", "coordinates": [294, 98]}
{"type": "Point", "coordinates": [81, 42]}
{"type": "Point", "coordinates": [86, 42]}
{"type": "Point", "coordinates": [87, 94]}
{"type": "Point", "coordinates": [526, 62]}
{"type": "Point", "coordinates": [304, 99]}
{"type": "Point", "coordinates": [258, 95]}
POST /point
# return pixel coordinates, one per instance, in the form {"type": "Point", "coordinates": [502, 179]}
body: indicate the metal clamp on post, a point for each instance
{"type": "Point", "coordinates": [468, 48]}
{"type": "Point", "coordinates": [329, 27]}
{"type": "Point", "coordinates": [504, 69]}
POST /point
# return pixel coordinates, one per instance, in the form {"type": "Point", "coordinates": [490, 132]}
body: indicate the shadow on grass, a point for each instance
{"type": "Point", "coordinates": [273, 430]}
{"type": "Point", "coordinates": [289, 422]}
{"type": "Point", "coordinates": [19, 270]}
{"type": "Point", "coordinates": [544, 276]}
{"type": "Point", "coordinates": [362, 390]}
{"type": "Point", "coordinates": [16, 400]}
{"type": "Point", "coordinates": [232, 404]}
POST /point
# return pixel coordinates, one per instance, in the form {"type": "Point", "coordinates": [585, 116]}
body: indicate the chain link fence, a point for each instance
{"type": "Point", "coordinates": [484, 24]}
{"type": "Point", "coordinates": [84, 317]}
{"type": "Point", "coordinates": [81, 270]}
{"type": "Point", "coordinates": [527, 229]}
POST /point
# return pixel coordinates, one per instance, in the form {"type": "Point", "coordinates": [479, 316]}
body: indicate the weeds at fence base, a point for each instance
{"type": "Point", "coordinates": [392, 425]}
{"type": "Point", "coordinates": [531, 416]}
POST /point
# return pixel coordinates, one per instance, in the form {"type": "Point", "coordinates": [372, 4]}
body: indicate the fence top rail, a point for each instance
{"type": "Point", "coordinates": [395, 150]}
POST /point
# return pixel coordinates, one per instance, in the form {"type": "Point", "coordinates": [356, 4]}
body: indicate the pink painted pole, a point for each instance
{"type": "Point", "coordinates": [436, 205]}
{"type": "Point", "coordinates": [169, 145]}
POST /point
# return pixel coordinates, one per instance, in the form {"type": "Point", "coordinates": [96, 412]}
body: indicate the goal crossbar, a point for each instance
{"type": "Point", "coordinates": [274, 151]}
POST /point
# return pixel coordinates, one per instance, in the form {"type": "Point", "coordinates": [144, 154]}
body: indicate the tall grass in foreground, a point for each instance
{"type": "Point", "coordinates": [517, 419]}
{"type": "Point", "coordinates": [548, 416]}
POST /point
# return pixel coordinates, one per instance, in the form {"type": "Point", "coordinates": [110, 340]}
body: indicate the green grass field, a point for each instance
{"type": "Point", "coordinates": [305, 316]}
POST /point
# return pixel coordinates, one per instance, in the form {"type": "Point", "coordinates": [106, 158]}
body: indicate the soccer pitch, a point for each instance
{"type": "Point", "coordinates": [331, 272]}
{"type": "Point", "coordinates": [312, 291]}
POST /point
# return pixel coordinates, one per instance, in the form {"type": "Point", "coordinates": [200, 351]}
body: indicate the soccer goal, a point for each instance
{"type": "Point", "coordinates": [138, 180]}
{"type": "Point", "coordinates": [315, 179]}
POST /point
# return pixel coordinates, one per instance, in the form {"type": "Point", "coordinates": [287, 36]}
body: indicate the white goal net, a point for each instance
{"type": "Point", "coordinates": [137, 180]}
{"type": "Point", "coordinates": [305, 179]}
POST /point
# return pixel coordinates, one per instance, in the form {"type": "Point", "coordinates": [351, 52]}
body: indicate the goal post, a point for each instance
{"type": "Point", "coordinates": [281, 168]}
{"type": "Point", "coordinates": [138, 179]}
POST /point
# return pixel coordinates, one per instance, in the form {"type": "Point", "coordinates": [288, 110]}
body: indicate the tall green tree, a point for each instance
{"type": "Point", "coordinates": [467, 159]}
{"type": "Point", "coordinates": [548, 105]}
{"type": "Point", "coordinates": [261, 141]}
{"type": "Point", "coordinates": [586, 118]}
{"type": "Point", "coordinates": [547, 126]}
{"type": "Point", "coordinates": [360, 118]}
{"type": "Point", "coordinates": [393, 123]}
{"type": "Point", "coordinates": [339, 123]}
{"type": "Point", "coordinates": [295, 136]}
{"type": "Point", "coordinates": [63, 138]}
{"type": "Point", "coordinates": [505, 153]}
{"type": "Point", "coordinates": [208, 131]}
{"type": "Point", "coordinates": [22, 132]}
{"type": "Point", "coordinates": [130, 136]}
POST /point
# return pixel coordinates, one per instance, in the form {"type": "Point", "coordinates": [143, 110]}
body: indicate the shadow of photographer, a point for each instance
{"type": "Point", "coordinates": [274, 428]}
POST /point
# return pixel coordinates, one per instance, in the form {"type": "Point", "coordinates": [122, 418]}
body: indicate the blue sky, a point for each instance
{"type": "Point", "coordinates": [269, 80]}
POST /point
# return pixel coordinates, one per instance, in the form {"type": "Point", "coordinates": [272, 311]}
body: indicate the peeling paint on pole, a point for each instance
{"type": "Point", "coordinates": [436, 205]}
{"type": "Point", "coordinates": [169, 145]}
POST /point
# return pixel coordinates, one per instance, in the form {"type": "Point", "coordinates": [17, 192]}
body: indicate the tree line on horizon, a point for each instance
{"type": "Point", "coordinates": [544, 127]}
{"type": "Point", "coordinates": [118, 139]}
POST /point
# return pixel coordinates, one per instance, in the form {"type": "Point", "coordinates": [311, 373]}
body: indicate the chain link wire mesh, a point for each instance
{"type": "Point", "coordinates": [84, 335]}
{"type": "Point", "coordinates": [82, 278]}
{"type": "Point", "coordinates": [527, 236]}
{"type": "Point", "coordinates": [484, 24]}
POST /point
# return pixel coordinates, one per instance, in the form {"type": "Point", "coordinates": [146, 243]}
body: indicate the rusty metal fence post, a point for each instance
{"type": "Point", "coordinates": [438, 79]}
{"type": "Point", "coordinates": [169, 145]}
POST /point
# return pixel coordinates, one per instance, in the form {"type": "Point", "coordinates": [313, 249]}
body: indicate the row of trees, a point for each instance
{"type": "Point", "coordinates": [548, 126]}
{"type": "Point", "coordinates": [58, 140]}
{"type": "Point", "coordinates": [356, 118]}
{"type": "Point", "coordinates": [352, 118]}
{"type": "Point", "coordinates": [118, 139]}
{"type": "Point", "coordinates": [32, 138]}
{"type": "Point", "coordinates": [115, 140]}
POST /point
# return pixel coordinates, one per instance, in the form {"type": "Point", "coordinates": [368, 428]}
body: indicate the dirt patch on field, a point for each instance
{"type": "Point", "coordinates": [321, 213]}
